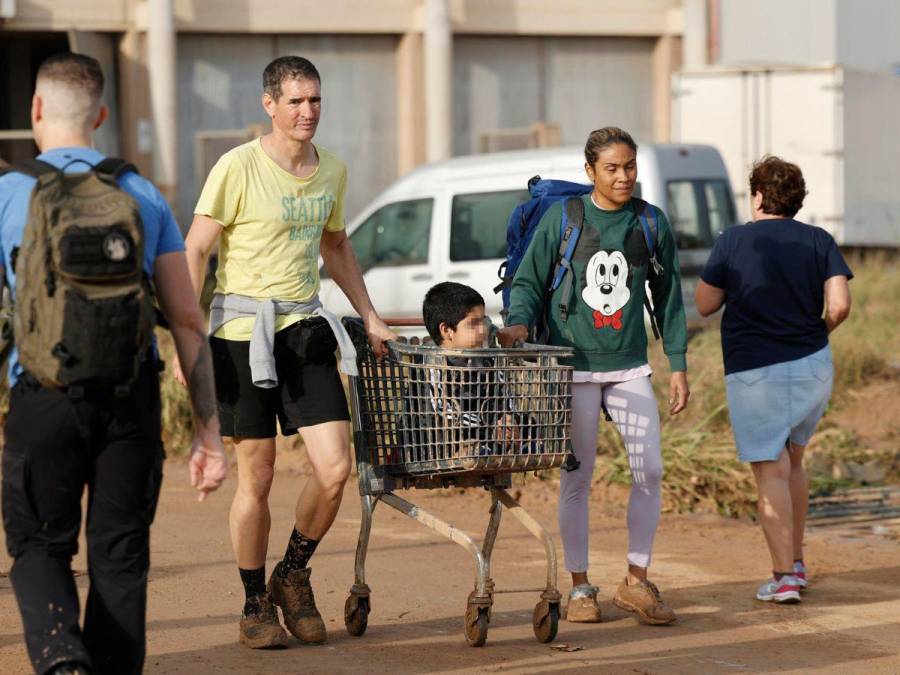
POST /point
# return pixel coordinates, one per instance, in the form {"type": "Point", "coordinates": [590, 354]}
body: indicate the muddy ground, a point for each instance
{"type": "Point", "coordinates": [707, 567]}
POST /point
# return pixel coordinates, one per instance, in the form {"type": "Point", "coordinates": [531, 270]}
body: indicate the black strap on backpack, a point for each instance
{"type": "Point", "coordinates": [575, 225]}
{"type": "Point", "coordinates": [30, 167]}
{"type": "Point", "coordinates": [115, 167]}
{"type": "Point", "coordinates": [561, 273]}
{"type": "Point", "coordinates": [647, 219]}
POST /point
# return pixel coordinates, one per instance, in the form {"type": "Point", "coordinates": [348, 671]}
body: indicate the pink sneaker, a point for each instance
{"type": "Point", "coordinates": [800, 574]}
{"type": "Point", "coordinates": [786, 591]}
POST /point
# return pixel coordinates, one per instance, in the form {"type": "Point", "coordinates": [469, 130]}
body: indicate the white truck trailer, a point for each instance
{"type": "Point", "coordinates": [841, 126]}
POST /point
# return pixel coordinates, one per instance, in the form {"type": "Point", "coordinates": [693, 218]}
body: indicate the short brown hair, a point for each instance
{"type": "Point", "coordinates": [287, 68]}
{"type": "Point", "coordinates": [75, 71]}
{"type": "Point", "coordinates": [781, 185]}
{"type": "Point", "coordinates": [600, 139]}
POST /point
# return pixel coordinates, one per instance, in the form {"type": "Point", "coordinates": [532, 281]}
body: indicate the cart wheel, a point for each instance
{"type": "Point", "coordinates": [356, 614]}
{"type": "Point", "coordinates": [545, 621]}
{"type": "Point", "coordinates": [490, 610]}
{"type": "Point", "coordinates": [476, 625]}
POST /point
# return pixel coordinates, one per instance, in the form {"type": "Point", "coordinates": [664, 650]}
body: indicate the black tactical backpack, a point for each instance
{"type": "Point", "coordinates": [83, 311]}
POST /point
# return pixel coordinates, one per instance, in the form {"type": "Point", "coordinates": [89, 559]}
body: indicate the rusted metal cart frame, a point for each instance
{"type": "Point", "coordinates": [380, 473]}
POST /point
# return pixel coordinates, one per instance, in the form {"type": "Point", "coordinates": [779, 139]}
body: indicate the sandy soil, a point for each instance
{"type": "Point", "coordinates": [707, 567]}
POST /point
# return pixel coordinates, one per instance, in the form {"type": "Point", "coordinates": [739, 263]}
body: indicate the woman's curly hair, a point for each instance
{"type": "Point", "coordinates": [781, 185]}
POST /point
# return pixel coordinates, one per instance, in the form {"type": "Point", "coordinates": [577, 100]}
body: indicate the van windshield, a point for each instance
{"type": "Point", "coordinates": [478, 224]}
{"type": "Point", "coordinates": [699, 209]}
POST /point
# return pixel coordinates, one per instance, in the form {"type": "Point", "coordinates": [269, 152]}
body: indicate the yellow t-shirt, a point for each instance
{"type": "Point", "coordinates": [272, 224]}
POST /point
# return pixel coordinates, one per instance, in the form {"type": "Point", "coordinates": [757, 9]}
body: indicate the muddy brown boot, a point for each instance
{"type": "Point", "coordinates": [643, 599]}
{"type": "Point", "coordinates": [261, 629]}
{"type": "Point", "coordinates": [582, 606]}
{"type": "Point", "coordinates": [298, 606]}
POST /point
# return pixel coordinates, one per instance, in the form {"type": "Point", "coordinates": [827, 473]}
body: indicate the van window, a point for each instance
{"type": "Point", "coordinates": [698, 210]}
{"type": "Point", "coordinates": [478, 224]}
{"type": "Point", "coordinates": [719, 206]}
{"type": "Point", "coordinates": [396, 234]}
{"type": "Point", "coordinates": [684, 214]}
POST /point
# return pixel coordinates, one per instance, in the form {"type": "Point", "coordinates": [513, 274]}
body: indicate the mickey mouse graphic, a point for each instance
{"type": "Point", "coordinates": [606, 288]}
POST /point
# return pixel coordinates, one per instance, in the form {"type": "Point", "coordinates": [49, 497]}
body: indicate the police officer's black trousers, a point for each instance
{"type": "Point", "coordinates": [56, 444]}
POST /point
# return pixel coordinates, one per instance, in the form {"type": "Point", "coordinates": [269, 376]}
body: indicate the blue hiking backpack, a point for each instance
{"type": "Point", "coordinates": [523, 222]}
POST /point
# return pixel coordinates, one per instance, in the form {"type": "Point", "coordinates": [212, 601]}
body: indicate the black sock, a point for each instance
{"type": "Point", "coordinates": [299, 550]}
{"type": "Point", "coordinates": [254, 585]}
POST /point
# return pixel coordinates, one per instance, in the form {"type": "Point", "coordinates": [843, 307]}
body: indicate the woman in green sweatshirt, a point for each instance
{"type": "Point", "coordinates": [604, 325]}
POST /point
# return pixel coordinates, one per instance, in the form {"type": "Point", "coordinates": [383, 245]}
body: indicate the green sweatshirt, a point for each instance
{"type": "Point", "coordinates": [605, 326]}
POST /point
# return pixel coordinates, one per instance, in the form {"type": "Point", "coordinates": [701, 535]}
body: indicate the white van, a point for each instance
{"type": "Point", "coordinates": [447, 221]}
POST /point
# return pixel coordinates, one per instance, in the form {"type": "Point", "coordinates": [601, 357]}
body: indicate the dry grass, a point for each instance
{"type": "Point", "coordinates": [177, 423]}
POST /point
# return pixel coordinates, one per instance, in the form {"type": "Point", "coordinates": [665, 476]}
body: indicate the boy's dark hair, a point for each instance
{"type": "Point", "coordinates": [287, 68]}
{"type": "Point", "coordinates": [74, 70]}
{"type": "Point", "coordinates": [781, 185]}
{"type": "Point", "coordinates": [600, 139]}
{"type": "Point", "coordinates": [448, 302]}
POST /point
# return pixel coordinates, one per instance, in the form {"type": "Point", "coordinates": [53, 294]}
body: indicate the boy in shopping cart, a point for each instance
{"type": "Point", "coordinates": [467, 397]}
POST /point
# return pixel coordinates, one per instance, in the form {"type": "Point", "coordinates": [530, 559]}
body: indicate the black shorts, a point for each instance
{"type": "Point", "coordinates": [309, 388]}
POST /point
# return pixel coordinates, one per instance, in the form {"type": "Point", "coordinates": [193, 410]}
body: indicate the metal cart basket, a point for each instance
{"type": "Point", "coordinates": [429, 418]}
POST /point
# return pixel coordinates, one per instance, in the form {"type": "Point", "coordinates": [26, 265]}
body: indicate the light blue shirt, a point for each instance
{"type": "Point", "coordinates": [161, 233]}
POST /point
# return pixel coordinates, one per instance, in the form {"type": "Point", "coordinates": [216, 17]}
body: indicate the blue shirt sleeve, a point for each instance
{"type": "Point", "coordinates": [715, 272]}
{"type": "Point", "coordinates": [170, 239]}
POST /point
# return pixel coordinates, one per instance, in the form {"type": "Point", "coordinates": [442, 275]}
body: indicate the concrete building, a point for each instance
{"type": "Point", "coordinates": [856, 34]}
{"type": "Point", "coordinates": [404, 81]}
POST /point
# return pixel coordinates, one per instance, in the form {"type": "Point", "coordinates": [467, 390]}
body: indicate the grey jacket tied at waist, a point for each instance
{"type": "Point", "coordinates": [224, 308]}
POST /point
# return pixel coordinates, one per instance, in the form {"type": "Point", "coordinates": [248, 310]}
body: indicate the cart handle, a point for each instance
{"type": "Point", "coordinates": [410, 321]}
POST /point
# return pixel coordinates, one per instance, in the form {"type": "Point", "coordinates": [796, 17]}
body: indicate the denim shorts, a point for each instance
{"type": "Point", "coordinates": [774, 404]}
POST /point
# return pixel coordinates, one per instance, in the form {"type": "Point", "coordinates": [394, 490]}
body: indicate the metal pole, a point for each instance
{"type": "Point", "coordinates": [161, 66]}
{"type": "Point", "coordinates": [438, 80]}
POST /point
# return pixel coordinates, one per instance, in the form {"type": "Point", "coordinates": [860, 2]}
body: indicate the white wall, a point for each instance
{"type": "Point", "coordinates": [862, 34]}
{"type": "Point", "coordinates": [869, 34]}
{"type": "Point", "coordinates": [779, 31]}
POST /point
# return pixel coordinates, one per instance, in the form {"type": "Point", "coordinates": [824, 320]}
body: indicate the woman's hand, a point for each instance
{"type": "Point", "coordinates": [679, 393]}
{"type": "Point", "coordinates": [511, 335]}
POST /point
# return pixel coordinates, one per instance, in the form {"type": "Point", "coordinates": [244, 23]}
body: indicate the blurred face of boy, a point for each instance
{"type": "Point", "coordinates": [470, 333]}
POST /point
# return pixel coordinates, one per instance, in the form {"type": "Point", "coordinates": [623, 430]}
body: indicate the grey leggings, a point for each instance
{"type": "Point", "coordinates": [632, 406]}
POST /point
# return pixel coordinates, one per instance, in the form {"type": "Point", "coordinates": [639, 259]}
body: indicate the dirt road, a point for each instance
{"type": "Point", "coordinates": [707, 567]}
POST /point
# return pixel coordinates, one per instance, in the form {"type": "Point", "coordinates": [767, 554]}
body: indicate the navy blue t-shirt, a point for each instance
{"type": "Point", "coordinates": [773, 273]}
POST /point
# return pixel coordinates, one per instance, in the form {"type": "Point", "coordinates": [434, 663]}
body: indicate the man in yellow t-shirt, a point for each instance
{"type": "Point", "coordinates": [275, 204]}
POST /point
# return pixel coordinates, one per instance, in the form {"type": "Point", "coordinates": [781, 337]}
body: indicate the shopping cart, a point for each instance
{"type": "Point", "coordinates": [429, 418]}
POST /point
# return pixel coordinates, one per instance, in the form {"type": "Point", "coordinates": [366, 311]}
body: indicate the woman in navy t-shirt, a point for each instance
{"type": "Point", "coordinates": [776, 277]}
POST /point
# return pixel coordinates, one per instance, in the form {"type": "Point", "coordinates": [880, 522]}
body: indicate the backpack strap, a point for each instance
{"type": "Point", "coordinates": [115, 167]}
{"type": "Point", "coordinates": [31, 167]}
{"type": "Point", "coordinates": [648, 218]}
{"type": "Point", "coordinates": [571, 225]}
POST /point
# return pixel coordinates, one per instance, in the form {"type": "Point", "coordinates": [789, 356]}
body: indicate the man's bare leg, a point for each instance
{"type": "Point", "coordinates": [249, 522]}
{"type": "Point", "coordinates": [328, 447]}
{"type": "Point", "coordinates": [249, 519]}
